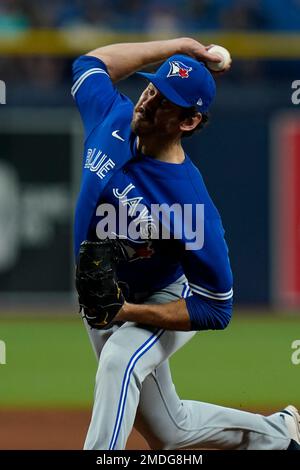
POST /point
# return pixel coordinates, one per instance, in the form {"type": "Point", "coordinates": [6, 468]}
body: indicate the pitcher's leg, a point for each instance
{"type": "Point", "coordinates": [169, 423]}
{"type": "Point", "coordinates": [122, 367]}
{"type": "Point", "coordinates": [127, 358]}
{"type": "Point", "coordinates": [98, 338]}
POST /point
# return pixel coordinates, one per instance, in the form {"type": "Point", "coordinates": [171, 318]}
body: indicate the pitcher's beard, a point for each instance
{"type": "Point", "coordinates": [142, 126]}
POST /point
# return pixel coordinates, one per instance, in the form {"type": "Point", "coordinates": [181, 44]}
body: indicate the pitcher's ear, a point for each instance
{"type": "Point", "coordinates": [191, 122]}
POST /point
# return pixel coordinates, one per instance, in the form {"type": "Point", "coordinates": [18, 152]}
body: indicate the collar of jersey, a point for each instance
{"type": "Point", "coordinates": [155, 161]}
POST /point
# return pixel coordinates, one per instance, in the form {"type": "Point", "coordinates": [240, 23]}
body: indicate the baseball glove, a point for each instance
{"type": "Point", "coordinates": [99, 294]}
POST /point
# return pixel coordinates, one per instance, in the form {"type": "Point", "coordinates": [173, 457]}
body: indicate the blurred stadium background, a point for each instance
{"type": "Point", "coordinates": [249, 156]}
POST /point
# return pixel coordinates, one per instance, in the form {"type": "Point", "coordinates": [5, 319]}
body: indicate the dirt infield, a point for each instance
{"type": "Point", "coordinates": [53, 429]}
{"type": "Point", "coordinates": [49, 429]}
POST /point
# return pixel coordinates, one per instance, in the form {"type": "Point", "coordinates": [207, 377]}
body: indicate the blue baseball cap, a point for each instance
{"type": "Point", "coordinates": [184, 81]}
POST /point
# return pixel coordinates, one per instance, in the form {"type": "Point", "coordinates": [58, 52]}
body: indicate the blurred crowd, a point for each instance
{"type": "Point", "coordinates": [45, 80]}
{"type": "Point", "coordinates": [174, 16]}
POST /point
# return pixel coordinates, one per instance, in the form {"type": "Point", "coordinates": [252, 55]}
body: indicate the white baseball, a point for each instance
{"type": "Point", "coordinates": [224, 55]}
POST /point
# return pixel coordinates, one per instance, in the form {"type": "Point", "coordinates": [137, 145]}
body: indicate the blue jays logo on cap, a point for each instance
{"type": "Point", "coordinates": [179, 69]}
{"type": "Point", "coordinates": [197, 89]}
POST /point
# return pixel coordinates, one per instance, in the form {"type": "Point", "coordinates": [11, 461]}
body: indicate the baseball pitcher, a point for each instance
{"type": "Point", "coordinates": [152, 261]}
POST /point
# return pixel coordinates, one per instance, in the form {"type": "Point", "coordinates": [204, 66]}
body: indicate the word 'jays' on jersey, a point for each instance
{"type": "Point", "coordinates": [115, 173]}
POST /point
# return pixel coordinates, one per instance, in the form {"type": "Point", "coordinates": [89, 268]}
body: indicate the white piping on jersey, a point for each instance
{"type": "Point", "coordinates": [186, 290]}
{"type": "Point", "coordinates": [82, 78]}
{"type": "Point", "coordinates": [210, 294]}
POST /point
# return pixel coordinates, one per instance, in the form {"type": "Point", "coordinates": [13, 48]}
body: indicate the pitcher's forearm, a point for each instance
{"type": "Point", "coordinates": [124, 59]}
{"type": "Point", "coordinates": [170, 316]}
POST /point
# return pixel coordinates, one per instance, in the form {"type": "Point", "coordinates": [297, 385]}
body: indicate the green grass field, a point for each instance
{"type": "Point", "coordinates": [50, 363]}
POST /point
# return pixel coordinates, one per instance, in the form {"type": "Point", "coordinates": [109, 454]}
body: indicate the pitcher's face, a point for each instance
{"type": "Point", "coordinates": [154, 114]}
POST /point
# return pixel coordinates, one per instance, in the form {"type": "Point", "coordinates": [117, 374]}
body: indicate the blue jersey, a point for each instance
{"type": "Point", "coordinates": [115, 173]}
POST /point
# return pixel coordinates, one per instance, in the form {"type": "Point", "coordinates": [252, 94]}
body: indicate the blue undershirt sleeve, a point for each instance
{"type": "Point", "coordinates": [208, 314]}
